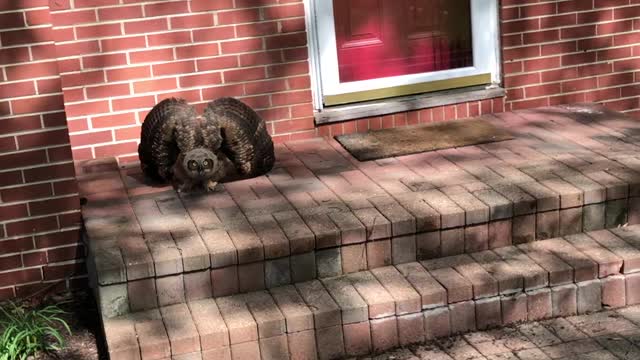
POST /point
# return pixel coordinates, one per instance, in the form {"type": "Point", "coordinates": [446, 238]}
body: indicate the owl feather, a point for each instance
{"type": "Point", "coordinates": [245, 140]}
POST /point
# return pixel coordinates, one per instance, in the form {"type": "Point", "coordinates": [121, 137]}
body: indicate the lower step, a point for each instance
{"type": "Point", "coordinates": [373, 311]}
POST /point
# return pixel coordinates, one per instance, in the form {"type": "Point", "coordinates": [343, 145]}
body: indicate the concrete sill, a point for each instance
{"type": "Point", "coordinates": [406, 103]}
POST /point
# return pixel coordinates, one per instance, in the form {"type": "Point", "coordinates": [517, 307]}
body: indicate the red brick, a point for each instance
{"type": "Point", "coordinates": [31, 70]}
{"type": "Point", "coordinates": [197, 6]}
{"type": "Point", "coordinates": [613, 291]}
{"type": "Point", "coordinates": [48, 86]}
{"type": "Point", "coordinates": [240, 46]}
{"type": "Point", "coordinates": [122, 43]}
{"type": "Point", "coordinates": [98, 31]}
{"type": "Point", "coordinates": [35, 258]}
{"type": "Point", "coordinates": [57, 171]}
{"type": "Point", "coordinates": [154, 85]}
{"type": "Point", "coordinates": [25, 88]}
{"type": "Point", "coordinates": [31, 226]}
{"type": "Point", "coordinates": [144, 26]}
{"type": "Point", "coordinates": [173, 68]}
{"type": "Point", "coordinates": [117, 13]}
{"type": "Point", "coordinates": [14, 55]}
{"type": "Point", "coordinates": [12, 20]}
{"type": "Point", "coordinates": [357, 339]}
{"type": "Point", "coordinates": [238, 16]}
{"type": "Point", "coordinates": [156, 55]}
{"type": "Point", "coordinates": [20, 277]}
{"type": "Point", "coordinates": [78, 48]}
{"type": "Point", "coordinates": [168, 8]}
{"type": "Point", "coordinates": [283, 11]}
{"type": "Point", "coordinates": [116, 149]}
{"type": "Point", "coordinates": [40, 139]}
{"type": "Point", "coordinates": [85, 78]}
{"type": "Point", "coordinates": [107, 91]}
{"type": "Point", "coordinates": [12, 212]}
{"type": "Point", "coordinates": [213, 34]}
{"type": "Point", "coordinates": [87, 108]}
{"type": "Point", "coordinates": [191, 21]}
{"type": "Point", "coordinates": [26, 36]}
{"type": "Point", "coordinates": [169, 38]}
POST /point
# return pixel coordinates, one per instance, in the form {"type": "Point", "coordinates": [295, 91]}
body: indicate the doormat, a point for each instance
{"type": "Point", "coordinates": [379, 144]}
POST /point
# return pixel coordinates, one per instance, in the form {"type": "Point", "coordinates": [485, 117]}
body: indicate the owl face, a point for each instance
{"type": "Point", "coordinates": [200, 164]}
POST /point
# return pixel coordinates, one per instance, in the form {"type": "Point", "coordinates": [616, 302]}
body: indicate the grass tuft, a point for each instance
{"type": "Point", "coordinates": [26, 332]}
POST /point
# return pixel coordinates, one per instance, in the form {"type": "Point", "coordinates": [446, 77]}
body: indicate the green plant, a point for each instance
{"type": "Point", "coordinates": [25, 332]}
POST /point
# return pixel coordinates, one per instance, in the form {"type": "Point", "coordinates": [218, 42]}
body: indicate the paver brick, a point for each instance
{"type": "Point", "coordinates": [500, 233]}
{"type": "Point", "coordinates": [593, 217]}
{"type": "Point", "coordinates": [142, 294]}
{"type": "Point", "coordinates": [151, 334]}
{"type": "Point", "coordinates": [546, 199]}
{"type": "Point", "coordinates": [182, 332]}
{"type": "Point", "coordinates": [608, 262]}
{"type": "Point", "coordinates": [539, 304]}
{"type": "Point", "coordinates": [570, 196]}
{"type": "Point", "coordinates": [302, 345]}
{"type": "Point", "coordinates": [329, 262]}
{"type": "Point", "coordinates": [352, 306]}
{"type": "Point", "coordinates": [377, 298]}
{"type": "Point", "coordinates": [377, 226]}
{"type": "Point", "coordinates": [452, 242]}
{"type": "Point", "coordinates": [613, 291]}
{"type": "Point", "coordinates": [354, 258]}
{"type": "Point", "coordinates": [514, 308]}
{"type": "Point", "coordinates": [384, 333]}
{"type": "Point", "coordinates": [488, 313]}
{"type": "Point", "coordinates": [267, 316]}
{"type": "Point", "coordinates": [533, 275]}
{"type": "Point", "coordinates": [428, 245]}
{"type": "Point", "coordinates": [210, 324]}
{"type": "Point", "coordinates": [523, 203]}
{"type": "Point", "coordinates": [273, 239]}
{"type": "Point", "coordinates": [303, 267]}
{"type": "Point", "coordinates": [224, 281]}
{"type": "Point", "coordinates": [564, 300]}
{"type": "Point", "coordinates": [251, 276]}
{"type": "Point", "coordinates": [240, 323]}
{"type": "Point", "coordinates": [547, 225]}
{"type": "Point", "coordinates": [277, 272]}
{"type": "Point", "coordinates": [351, 229]}
{"type": "Point", "coordinates": [616, 189]}
{"type": "Point", "coordinates": [378, 253]}
{"type": "Point", "coordinates": [629, 254]}
{"type": "Point", "coordinates": [476, 238]}
{"type": "Point", "coordinates": [410, 328]}
{"type": "Point", "coordinates": [509, 279]}
{"type": "Point", "coordinates": [427, 218]}
{"type": "Point", "coordinates": [570, 221]}
{"type": "Point", "coordinates": [297, 315]}
{"type": "Point", "coordinates": [330, 343]}
{"type": "Point", "coordinates": [584, 268]}
{"type": "Point", "coordinates": [559, 272]}
{"type": "Point", "coordinates": [589, 296]}
{"type": "Point", "coordinates": [463, 316]}
{"type": "Point", "coordinates": [407, 300]}
{"type": "Point", "coordinates": [451, 215]}
{"type": "Point", "coordinates": [357, 339]}
{"type": "Point", "coordinates": [274, 348]}
{"type": "Point", "coordinates": [524, 229]}
{"type": "Point", "coordinates": [301, 238]}
{"type": "Point", "coordinates": [616, 212]}
{"type": "Point", "coordinates": [402, 222]}
{"type": "Point", "coordinates": [430, 290]}
{"type": "Point", "coordinates": [437, 322]}
{"type": "Point", "coordinates": [458, 288]}
{"type": "Point", "coordinates": [326, 312]}
{"type": "Point", "coordinates": [403, 249]}
{"type": "Point", "coordinates": [632, 289]}
{"type": "Point", "coordinates": [170, 290]}
{"type": "Point", "coordinates": [120, 335]}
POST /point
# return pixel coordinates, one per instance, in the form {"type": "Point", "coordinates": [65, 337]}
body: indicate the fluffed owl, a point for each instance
{"type": "Point", "coordinates": [196, 152]}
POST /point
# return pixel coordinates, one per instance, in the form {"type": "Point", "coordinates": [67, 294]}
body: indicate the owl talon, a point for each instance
{"type": "Point", "coordinates": [211, 185]}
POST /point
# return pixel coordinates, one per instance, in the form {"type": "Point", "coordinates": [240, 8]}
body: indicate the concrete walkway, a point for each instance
{"type": "Point", "coordinates": [606, 335]}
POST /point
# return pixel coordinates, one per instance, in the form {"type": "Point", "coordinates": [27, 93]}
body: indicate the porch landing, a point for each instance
{"type": "Point", "coordinates": [320, 214]}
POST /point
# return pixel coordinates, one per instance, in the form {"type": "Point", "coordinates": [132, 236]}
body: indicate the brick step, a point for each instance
{"type": "Point", "coordinates": [375, 310]}
{"type": "Point", "coordinates": [148, 238]}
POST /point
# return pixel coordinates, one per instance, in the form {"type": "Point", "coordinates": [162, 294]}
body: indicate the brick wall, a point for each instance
{"type": "Point", "coordinates": [39, 207]}
{"type": "Point", "coordinates": [558, 52]}
{"type": "Point", "coordinates": [117, 60]}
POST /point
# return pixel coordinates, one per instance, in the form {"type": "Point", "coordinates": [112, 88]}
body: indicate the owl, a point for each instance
{"type": "Point", "coordinates": [196, 152]}
{"type": "Point", "coordinates": [245, 140]}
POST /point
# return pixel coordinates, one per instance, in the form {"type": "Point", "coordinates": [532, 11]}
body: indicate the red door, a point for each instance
{"type": "Point", "coordinates": [381, 38]}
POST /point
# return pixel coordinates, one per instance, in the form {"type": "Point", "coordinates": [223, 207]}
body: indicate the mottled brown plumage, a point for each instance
{"type": "Point", "coordinates": [245, 140]}
{"type": "Point", "coordinates": [229, 141]}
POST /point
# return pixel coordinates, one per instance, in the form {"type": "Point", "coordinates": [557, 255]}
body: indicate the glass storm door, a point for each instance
{"type": "Point", "coordinates": [383, 38]}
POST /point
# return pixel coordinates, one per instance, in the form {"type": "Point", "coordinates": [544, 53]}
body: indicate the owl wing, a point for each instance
{"type": "Point", "coordinates": [245, 140]}
{"type": "Point", "coordinates": [168, 129]}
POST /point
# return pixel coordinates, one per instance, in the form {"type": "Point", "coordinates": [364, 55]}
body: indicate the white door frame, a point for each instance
{"type": "Point", "coordinates": [323, 57]}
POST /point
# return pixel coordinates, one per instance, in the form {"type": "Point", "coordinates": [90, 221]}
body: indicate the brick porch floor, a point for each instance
{"type": "Point", "coordinates": [485, 220]}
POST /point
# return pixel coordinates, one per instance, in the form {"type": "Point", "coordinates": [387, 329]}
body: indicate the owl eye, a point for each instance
{"type": "Point", "coordinates": [207, 163]}
{"type": "Point", "coordinates": [192, 165]}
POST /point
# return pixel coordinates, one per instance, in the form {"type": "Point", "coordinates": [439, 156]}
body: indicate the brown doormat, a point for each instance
{"type": "Point", "coordinates": [380, 144]}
